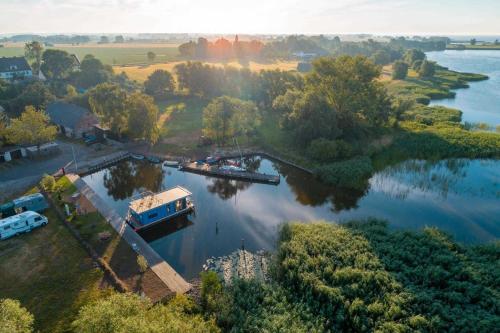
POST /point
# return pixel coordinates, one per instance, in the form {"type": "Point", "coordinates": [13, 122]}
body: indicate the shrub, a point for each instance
{"type": "Point", "coordinates": [211, 290]}
{"type": "Point", "coordinates": [48, 183]}
{"type": "Point", "coordinates": [399, 70]}
{"type": "Point", "coordinates": [427, 69]}
{"type": "Point", "coordinates": [14, 318]}
{"type": "Point", "coordinates": [323, 150]}
{"type": "Point", "coordinates": [352, 173]}
{"type": "Point", "coordinates": [142, 263]}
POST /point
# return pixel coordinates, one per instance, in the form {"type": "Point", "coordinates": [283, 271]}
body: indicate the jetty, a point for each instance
{"type": "Point", "coordinates": [215, 171]}
{"type": "Point", "coordinates": [173, 280]}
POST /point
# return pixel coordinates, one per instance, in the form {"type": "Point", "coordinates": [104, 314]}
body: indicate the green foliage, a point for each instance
{"type": "Point", "coordinates": [159, 84]}
{"type": "Point", "coordinates": [142, 263]}
{"type": "Point", "coordinates": [14, 318]}
{"type": "Point", "coordinates": [381, 57]}
{"type": "Point", "coordinates": [48, 183]}
{"type": "Point", "coordinates": [399, 70]}
{"type": "Point", "coordinates": [32, 127]}
{"type": "Point", "coordinates": [361, 277]}
{"type": "Point", "coordinates": [108, 102]}
{"type": "Point", "coordinates": [57, 64]}
{"type": "Point", "coordinates": [225, 117]}
{"type": "Point", "coordinates": [142, 115]}
{"type": "Point", "coordinates": [413, 55]}
{"type": "Point", "coordinates": [430, 115]}
{"type": "Point", "coordinates": [130, 313]}
{"type": "Point", "coordinates": [35, 94]}
{"type": "Point", "coordinates": [323, 150]}
{"type": "Point", "coordinates": [92, 72]}
{"type": "Point", "coordinates": [151, 56]}
{"type": "Point", "coordinates": [211, 291]}
{"type": "Point", "coordinates": [427, 69]}
{"type": "Point", "coordinates": [351, 173]}
{"type": "Point", "coordinates": [33, 52]}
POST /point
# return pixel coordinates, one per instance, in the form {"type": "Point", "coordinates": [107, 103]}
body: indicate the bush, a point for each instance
{"type": "Point", "coordinates": [399, 70]}
{"type": "Point", "coordinates": [427, 69]}
{"type": "Point", "coordinates": [48, 183]}
{"type": "Point", "coordinates": [142, 263]}
{"type": "Point", "coordinates": [430, 115]}
{"type": "Point", "coordinates": [211, 291]}
{"type": "Point", "coordinates": [14, 318]}
{"type": "Point", "coordinates": [323, 150]}
{"type": "Point", "coordinates": [352, 173]}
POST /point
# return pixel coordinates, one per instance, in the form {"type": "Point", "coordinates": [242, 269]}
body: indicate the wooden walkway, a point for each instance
{"type": "Point", "coordinates": [215, 171]}
{"type": "Point", "coordinates": [103, 162]}
{"type": "Point", "coordinates": [160, 267]}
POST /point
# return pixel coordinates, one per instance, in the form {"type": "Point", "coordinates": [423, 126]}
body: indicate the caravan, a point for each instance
{"type": "Point", "coordinates": [35, 202]}
{"type": "Point", "coordinates": [21, 223]}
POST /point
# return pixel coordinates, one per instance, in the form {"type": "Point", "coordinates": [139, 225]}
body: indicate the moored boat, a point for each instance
{"type": "Point", "coordinates": [137, 156]}
{"type": "Point", "coordinates": [152, 208]}
{"type": "Point", "coordinates": [153, 159]}
{"type": "Point", "coordinates": [171, 164]}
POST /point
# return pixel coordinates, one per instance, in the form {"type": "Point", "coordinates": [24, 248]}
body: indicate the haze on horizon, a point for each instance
{"type": "Point", "coordinates": [424, 17]}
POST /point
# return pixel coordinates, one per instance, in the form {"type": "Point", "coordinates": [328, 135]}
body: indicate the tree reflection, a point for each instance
{"type": "Point", "coordinates": [122, 180]}
{"type": "Point", "coordinates": [226, 188]}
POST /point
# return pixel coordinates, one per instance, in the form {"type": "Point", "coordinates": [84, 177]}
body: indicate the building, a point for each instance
{"type": "Point", "coordinates": [13, 68]}
{"type": "Point", "coordinates": [72, 120]}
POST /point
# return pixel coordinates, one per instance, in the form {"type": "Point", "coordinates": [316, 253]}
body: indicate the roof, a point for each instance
{"type": "Point", "coordinates": [75, 59]}
{"type": "Point", "coordinates": [156, 200]}
{"type": "Point", "coordinates": [27, 198]}
{"type": "Point", "coordinates": [66, 114]}
{"type": "Point", "coordinates": [14, 64]}
{"type": "Point", "coordinates": [18, 217]}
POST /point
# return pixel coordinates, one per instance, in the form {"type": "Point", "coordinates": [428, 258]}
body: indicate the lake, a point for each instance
{"type": "Point", "coordinates": [481, 102]}
{"type": "Point", "coordinates": [461, 197]}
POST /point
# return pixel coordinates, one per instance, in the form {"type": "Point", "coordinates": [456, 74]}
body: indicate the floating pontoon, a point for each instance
{"type": "Point", "coordinates": [152, 208]}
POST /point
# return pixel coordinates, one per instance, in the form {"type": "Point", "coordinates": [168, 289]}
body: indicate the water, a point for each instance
{"type": "Point", "coordinates": [461, 197]}
{"type": "Point", "coordinates": [480, 102]}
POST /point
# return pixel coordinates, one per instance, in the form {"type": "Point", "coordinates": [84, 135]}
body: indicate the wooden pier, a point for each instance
{"type": "Point", "coordinates": [215, 171]}
{"type": "Point", "coordinates": [103, 162]}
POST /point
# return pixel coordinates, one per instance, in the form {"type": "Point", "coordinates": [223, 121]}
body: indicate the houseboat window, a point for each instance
{"type": "Point", "coordinates": [178, 205]}
{"type": "Point", "coordinates": [152, 216]}
{"type": "Point", "coordinates": [6, 227]}
{"type": "Point", "coordinates": [37, 219]}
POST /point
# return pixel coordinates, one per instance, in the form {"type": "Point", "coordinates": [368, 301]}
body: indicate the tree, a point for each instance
{"type": "Point", "coordinates": [130, 313]}
{"type": "Point", "coordinates": [497, 42]}
{"type": "Point", "coordinates": [104, 40]}
{"type": "Point", "coordinates": [57, 64]}
{"type": "Point", "coordinates": [14, 318]}
{"type": "Point", "coordinates": [108, 102]}
{"type": "Point", "coordinates": [159, 84]}
{"type": "Point", "coordinates": [142, 263]}
{"type": "Point", "coordinates": [473, 41]}
{"type": "Point", "coordinates": [33, 52]}
{"type": "Point", "coordinates": [381, 57]}
{"type": "Point", "coordinates": [142, 117]}
{"type": "Point", "coordinates": [188, 50]}
{"type": "Point", "coordinates": [4, 122]}
{"type": "Point", "coordinates": [92, 72]}
{"type": "Point", "coordinates": [427, 69]}
{"type": "Point", "coordinates": [32, 127]}
{"type": "Point", "coordinates": [413, 55]}
{"type": "Point", "coordinates": [399, 70]}
{"type": "Point", "coordinates": [151, 56]}
{"type": "Point", "coordinates": [224, 117]}
{"type": "Point", "coordinates": [48, 183]}
{"type": "Point", "coordinates": [119, 39]}
{"type": "Point", "coordinates": [36, 94]}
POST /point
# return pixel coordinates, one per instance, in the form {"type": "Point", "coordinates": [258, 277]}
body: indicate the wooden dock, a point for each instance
{"type": "Point", "coordinates": [103, 162]}
{"type": "Point", "coordinates": [160, 267]}
{"type": "Point", "coordinates": [215, 171]}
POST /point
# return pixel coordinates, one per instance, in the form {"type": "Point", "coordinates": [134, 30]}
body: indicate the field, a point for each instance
{"type": "Point", "coordinates": [473, 47]}
{"type": "Point", "coordinates": [140, 73]}
{"type": "Point", "coordinates": [50, 273]}
{"type": "Point", "coordinates": [112, 54]}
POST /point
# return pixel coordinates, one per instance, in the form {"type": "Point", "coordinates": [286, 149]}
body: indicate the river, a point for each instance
{"type": "Point", "coordinates": [460, 197]}
{"type": "Point", "coordinates": [481, 102]}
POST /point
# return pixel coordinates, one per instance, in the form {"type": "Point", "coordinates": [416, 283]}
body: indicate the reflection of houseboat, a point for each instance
{"type": "Point", "coordinates": [153, 208]}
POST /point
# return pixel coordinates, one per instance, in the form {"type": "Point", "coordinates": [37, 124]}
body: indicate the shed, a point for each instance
{"type": "Point", "coordinates": [72, 120]}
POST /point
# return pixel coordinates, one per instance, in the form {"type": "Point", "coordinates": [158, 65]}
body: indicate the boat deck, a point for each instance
{"type": "Point", "coordinates": [215, 171]}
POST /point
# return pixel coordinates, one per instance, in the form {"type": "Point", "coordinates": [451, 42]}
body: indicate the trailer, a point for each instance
{"type": "Point", "coordinates": [34, 202]}
{"type": "Point", "coordinates": [21, 223]}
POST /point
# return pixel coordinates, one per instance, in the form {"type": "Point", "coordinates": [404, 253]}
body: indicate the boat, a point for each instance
{"type": "Point", "coordinates": [171, 164]}
{"type": "Point", "coordinates": [153, 159]}
{"type": "Point", "coordinates": [232, 168]}
{"type": "Point", "coordinates": [137, 156]}
{"type": "Point", "coordinates": [234, 162]}
{"type": "Point", "coordinates": [153, 208]}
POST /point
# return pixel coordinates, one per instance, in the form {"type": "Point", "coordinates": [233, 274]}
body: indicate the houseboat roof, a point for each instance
{"type": "Point", "coordinates": [152, 201]}
{"type": "Point", "coordinates": [18, 217]}
{"type": "Point", "coordinates": [27, 198]}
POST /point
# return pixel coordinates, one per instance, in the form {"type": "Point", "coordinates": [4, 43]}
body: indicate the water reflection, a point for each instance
{"type": "Point", "coordinates": [226, 188]}
{"type": "Point", "coordinates": [164, 229]}
{"type": "Point", "coordinates": [122, 180]}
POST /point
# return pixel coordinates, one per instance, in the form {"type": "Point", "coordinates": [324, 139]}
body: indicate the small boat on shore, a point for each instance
{"type": "Point", "coordinates": [153, 159]}
{"type": "Point", "coordinates": [171, 164]}
{"type": "Point", "coordinates": [138, 157]}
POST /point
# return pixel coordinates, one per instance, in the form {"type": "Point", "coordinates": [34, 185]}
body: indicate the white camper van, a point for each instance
{"type": "Point", "coordinates": [20, 223]}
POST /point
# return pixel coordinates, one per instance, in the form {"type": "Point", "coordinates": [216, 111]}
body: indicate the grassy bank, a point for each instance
{"type": "Point", "coordinates": [50, 273]}
{"type": "Point", "coordinates": [438, 87]}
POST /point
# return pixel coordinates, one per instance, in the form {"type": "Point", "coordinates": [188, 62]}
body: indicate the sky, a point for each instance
{"type": "Point", "coordinates": [392, 17]}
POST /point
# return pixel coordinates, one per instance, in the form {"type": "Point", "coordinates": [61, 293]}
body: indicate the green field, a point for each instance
{"type": "Point", "coordinates": [114, 54]}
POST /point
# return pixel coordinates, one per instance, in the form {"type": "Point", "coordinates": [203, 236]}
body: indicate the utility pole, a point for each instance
{"type": "Point", "coordinates": [74, 159]}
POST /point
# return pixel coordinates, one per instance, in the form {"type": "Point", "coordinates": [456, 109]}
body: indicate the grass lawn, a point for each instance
{"type": "Point", "coordinates": [112, 54]}
{"type": "Point", "coordinates": [141, 73]}
{"type": "Point", "coordinates": [50, 273]}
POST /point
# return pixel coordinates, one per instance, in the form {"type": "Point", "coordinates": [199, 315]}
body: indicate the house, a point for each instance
{"type": "Point", "coordinates": [76, 63]}
{"type": "Point", "coordinates": [72, 120]}
{"type": "Point", "coordinates": [14, 68]}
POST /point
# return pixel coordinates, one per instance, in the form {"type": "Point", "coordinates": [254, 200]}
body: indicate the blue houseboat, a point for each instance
{"type": "Point", "coordinates": [153, 208]}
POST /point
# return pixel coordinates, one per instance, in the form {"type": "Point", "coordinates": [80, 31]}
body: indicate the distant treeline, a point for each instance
{"type": "Point", "coordinates": [52, 39]}
{"type": "Point", "coordinates": [221, 49]}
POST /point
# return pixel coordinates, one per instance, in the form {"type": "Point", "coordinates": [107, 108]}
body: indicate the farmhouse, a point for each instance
{"type": "Point", "coordinates": [72, 120]}
{"type": "Point", "coordinates": [14, 68]}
